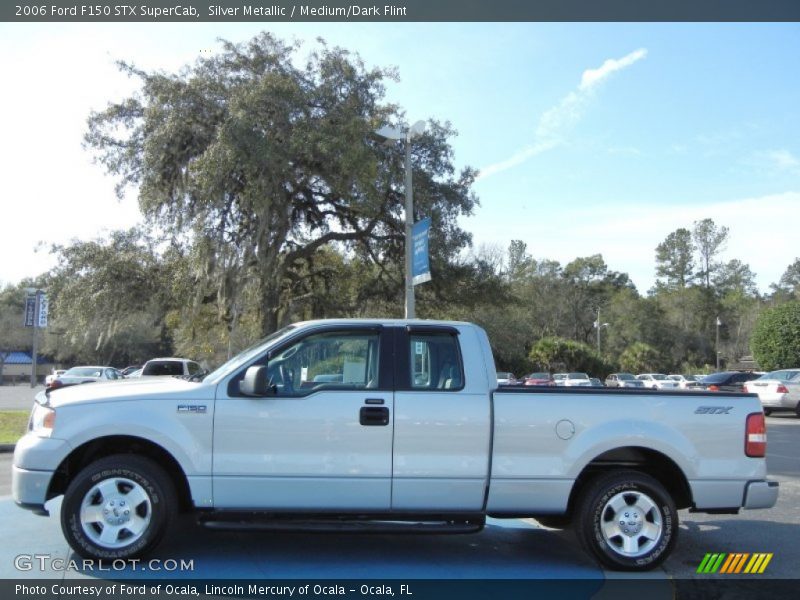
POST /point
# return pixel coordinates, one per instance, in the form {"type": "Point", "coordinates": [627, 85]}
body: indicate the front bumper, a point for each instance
{"type": "Point", "coordinates": [29, 488]}
{"type": "Point", "coordinates": [760, 494]}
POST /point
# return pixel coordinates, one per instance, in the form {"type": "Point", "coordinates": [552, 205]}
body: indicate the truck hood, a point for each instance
{"type": "Point", "coordinates": [157, 388]}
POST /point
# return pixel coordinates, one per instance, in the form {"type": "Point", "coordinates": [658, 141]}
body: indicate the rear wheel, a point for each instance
{"type": "Point", "coordinates": [117, 508]}
{"type": "Point", "coordinates": [627, 520]}
{"type": "Point", "coordinates": [767, 412]}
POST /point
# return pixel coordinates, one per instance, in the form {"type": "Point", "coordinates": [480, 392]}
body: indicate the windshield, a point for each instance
{"type": "Point", "coordinates": [625, 377]}
{"type": "Point", "coordinates": [577, 376]}
{"type": "Point", "coordinates": [659, 376]}
{"type": "Point", "coordinates": [781, 375]}
{"type": "Point", "coordinates": [246, 355]}
{"type": "Point", "coordinates": [503, 375]}
{"type": "Point", "coordinates": [539, 376]}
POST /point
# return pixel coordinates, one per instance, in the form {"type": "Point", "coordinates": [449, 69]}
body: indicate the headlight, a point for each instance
{"type": "Point", "coordinates": [43, 419]}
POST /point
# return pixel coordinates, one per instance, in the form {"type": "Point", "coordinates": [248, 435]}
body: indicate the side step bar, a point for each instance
{"type": "Point", "coordinates": [341, 524]}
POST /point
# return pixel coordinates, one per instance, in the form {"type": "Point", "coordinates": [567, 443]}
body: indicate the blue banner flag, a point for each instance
{"type": "Point", "coordinates": [420, 265]}
{"type": "Point", "coordinates": [30, 310]}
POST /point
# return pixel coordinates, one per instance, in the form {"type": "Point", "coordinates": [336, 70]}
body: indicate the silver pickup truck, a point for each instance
{"type": "Point", "coordinates": [386, 424]}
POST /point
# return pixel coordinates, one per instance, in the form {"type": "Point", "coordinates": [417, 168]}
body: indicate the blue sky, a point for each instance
{"type": "Point", "coordinates": [591, 137]}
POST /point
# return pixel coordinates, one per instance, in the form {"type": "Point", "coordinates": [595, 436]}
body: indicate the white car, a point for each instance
{"type": "Point", "coordinates": [48, 379]}
{"type": "Point", "coordinates": [686, 382]}
{"type": "Point", "coordinates": [657, 381]}
{"type": "Point", "coordinates": [778, 390]}
{"type": "Point", "coordinates": [506, 378]}
{"type": "Point", "coordinates": [577, 380]}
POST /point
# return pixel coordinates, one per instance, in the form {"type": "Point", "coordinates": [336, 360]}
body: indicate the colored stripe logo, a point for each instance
{"type": "Point", "coordinates": [737, 562]}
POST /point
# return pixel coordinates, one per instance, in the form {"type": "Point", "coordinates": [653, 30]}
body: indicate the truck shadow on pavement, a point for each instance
{"type": "Point", "coordinates": [510, 549]}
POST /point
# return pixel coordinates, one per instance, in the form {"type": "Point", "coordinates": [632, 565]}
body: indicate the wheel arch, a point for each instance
{"type": "Point", "coordinates": [637, 458]}
{"type": "Point", "coordinates": [96, 449]}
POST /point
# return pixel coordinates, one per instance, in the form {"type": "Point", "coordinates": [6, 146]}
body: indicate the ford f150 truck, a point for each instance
{"type": "Point", "coordinates": [372, 424]}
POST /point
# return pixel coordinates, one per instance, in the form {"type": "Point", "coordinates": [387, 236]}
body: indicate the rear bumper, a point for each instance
{"type": "Point", "coordinates": [760, 494]}
{"type": "Point", "coordinates": [777, 401]}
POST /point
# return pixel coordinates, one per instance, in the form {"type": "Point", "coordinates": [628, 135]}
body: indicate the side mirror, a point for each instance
{"type": "Point", "coordinates": [255, 382]}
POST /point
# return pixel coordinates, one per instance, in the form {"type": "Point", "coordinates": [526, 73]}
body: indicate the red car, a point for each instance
{"type": "Point", "coordinates": [539, 379]}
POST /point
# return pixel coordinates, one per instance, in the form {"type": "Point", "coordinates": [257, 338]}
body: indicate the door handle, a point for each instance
{"type": "Point", "coordinates": [373, 401]}
{"type": "Point", "coordinates": [374, 416]}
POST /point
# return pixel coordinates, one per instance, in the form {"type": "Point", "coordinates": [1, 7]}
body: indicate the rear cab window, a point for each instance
{"type": "Point", "coordinates": [434, 360]}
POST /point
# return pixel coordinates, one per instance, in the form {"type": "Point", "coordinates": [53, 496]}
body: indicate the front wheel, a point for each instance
{"type": "Point", "coordinates": [117, 508]}
{"type": "Point", "coordinates": [627, 520]}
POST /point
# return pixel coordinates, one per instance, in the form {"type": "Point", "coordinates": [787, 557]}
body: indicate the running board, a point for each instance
{"type": "Point", "coordinates": [222, 521]}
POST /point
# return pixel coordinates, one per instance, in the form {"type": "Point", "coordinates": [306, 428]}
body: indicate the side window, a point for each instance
{"type": "Point", "coordinates": [111, 374]}
{"type": "Point", "coordinates": [193, 368]}
{"type": "Point", "coordinates": [343, 360]}
{"type": "Point", "coordinates": [435, 362]}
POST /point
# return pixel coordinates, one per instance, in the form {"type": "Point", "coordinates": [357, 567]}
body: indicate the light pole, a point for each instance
{"type": "Point", "coordinates": [598, 325]}
{"type": "Point", "coordinates": [390, 133]}
{"type": "Point", "coordinates": [716, 346]}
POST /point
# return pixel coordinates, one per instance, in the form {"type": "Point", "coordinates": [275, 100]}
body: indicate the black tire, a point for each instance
{"type": "Point", "coordinates": [643, 507]}
{"type": "Point", "coordinates": [555, 521]}
{"type": "Point", "coordinates": [149, 510]}
{"type": "Point", "coordinates": [768, 412]}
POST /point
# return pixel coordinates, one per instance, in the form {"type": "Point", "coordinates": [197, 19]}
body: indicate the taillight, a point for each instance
{"type": "Point", "coordinates": [713, 388]}
{"type": "Point", "coordinates": [782, 389]}
{"type": "Point", "coordinates": [755, 437]}
{"type": "Point", "coordinates": [56, 383]}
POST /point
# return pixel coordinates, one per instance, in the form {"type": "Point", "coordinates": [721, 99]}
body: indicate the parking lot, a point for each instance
{"type": "Point", "coordinates": [513, 549]}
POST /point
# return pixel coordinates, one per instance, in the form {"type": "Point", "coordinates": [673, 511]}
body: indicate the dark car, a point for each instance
{"type": "Point", "coordinates": [539, 379]}
{"type": "Point", "coordinates": [728, 381]}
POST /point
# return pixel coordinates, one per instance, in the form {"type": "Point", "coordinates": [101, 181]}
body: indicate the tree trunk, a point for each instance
{"type": "Point", "coordinates": [270, 304]}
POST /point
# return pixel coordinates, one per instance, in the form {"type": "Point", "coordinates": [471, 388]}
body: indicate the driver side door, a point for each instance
{"type": "Point", "coordinates": [322, 436]}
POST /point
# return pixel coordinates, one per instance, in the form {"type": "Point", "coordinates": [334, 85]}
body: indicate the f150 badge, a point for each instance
{"type": "Point", "coordinates": [713, 410]}
{"type": "Point", "coordinates": [191, 408]}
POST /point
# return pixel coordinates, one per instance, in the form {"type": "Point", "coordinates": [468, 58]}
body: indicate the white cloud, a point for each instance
{"type": "Point", "coordinates": [556, 123]}
{"type": "Point", "coordinates": [783, 159]}
{"type": "Point", "coordinates": [593, 77]}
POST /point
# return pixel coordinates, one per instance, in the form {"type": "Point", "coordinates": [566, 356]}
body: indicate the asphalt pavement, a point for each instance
{"type": "Point", "coordinates": [18, 397]}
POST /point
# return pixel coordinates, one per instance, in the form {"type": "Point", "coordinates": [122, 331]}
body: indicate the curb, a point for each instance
{"type": "Point", "coordinates": [4, 448]}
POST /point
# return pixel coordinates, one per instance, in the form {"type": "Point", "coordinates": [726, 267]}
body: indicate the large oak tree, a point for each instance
{"type": "Point", "coordinates": [256, 163]}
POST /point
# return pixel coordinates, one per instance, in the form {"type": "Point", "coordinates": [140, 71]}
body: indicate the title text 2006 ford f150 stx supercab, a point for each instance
{"type": "Point", "coordinates": [386, 424]}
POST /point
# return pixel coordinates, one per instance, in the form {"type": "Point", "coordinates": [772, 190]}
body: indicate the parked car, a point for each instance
{"type": "Point", "coordinates": [558, 378]}
{"type": "Point", "coordinates": [539, 379]}
{"type": "Point", "coordinates": [506, 378]}
{"type": "Point", "coordinates": [657, 381]}
{"type": "Point", "coordinates": [577, 380]}
{"type": "Point", "coordinates": [180, 367]}
{"type": "Point", "coordinates": [728, 381]}
{"type": "Point", "coordinates": [778, 390]}
{"type": "Point", "coordinates": [623, 380]}
{"type": "Point", "coordinates": [686, 382]}
{"type": "Point", "coordinates": [78, 375]}
{"type": "Point", "coordinates": [596, 382]}
{"type": "Point", "coordinates": [427, 446]}
{"type": "Point", "coordinates": [48, 379]}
